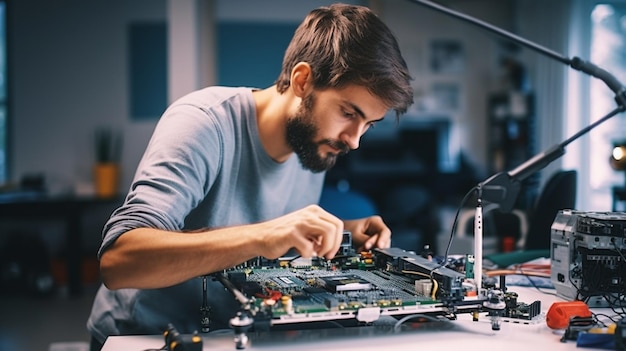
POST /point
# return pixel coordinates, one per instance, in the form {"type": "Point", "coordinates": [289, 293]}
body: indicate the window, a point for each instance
{"type": "Point", "coordinates": [608, 50]}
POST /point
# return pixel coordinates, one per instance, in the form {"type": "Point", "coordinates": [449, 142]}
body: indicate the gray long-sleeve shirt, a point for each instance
{"type": "Point", "coordinates": [205, 167]}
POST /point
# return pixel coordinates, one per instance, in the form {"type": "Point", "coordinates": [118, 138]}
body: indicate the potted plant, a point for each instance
{"type": "Point", "coordinates": [108, 148]}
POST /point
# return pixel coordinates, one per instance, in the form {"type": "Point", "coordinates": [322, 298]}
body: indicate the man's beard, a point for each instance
{"type": "Point", "coordinates": [301, 132]}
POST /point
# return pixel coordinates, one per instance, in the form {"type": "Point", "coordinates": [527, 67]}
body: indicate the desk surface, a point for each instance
{"type": "Point", "coordinates": [462, 333]}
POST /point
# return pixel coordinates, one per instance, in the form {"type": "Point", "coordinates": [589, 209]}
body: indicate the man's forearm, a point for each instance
{"type": "Point", "coordinates": [147, 258]}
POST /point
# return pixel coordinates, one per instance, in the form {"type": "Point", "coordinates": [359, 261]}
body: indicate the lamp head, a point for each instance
{"type": "Point", "coordinates": [618, 157]}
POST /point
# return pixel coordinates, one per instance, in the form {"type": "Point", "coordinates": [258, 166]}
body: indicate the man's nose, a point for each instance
{"type": "Point", "coordinates": [352, 137]}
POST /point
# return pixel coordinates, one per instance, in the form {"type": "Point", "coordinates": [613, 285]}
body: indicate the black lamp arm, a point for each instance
{"type": "Point", "coordinates": [502, 188]}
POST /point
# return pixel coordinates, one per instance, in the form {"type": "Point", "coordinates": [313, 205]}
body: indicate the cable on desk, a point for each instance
{"type": "Point", "coordinates": [398, 324]}
{"type": "Point", "coordinates": [453, 229]}
{"type": "Point", "coordinates": [617, 303]}
{"type": "Point", "coordinates": [602, 323]}
{"type": "Point", "coordinates": [537, 270]}
{"type": "Point", "coordinates": [498, 272]}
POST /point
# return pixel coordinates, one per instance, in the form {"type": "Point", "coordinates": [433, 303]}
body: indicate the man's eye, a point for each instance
{"type": "Point", "coordinates": [370, 125]}
{"type": "Point", "coordinates": [348, 114]}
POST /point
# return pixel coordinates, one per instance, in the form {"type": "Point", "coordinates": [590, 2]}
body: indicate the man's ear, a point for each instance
{"type": "Point", "coordinates": [301, 79]}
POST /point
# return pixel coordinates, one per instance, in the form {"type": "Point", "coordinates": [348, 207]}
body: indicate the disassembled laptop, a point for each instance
{"type": "Point", "coordinates": [359, 288]}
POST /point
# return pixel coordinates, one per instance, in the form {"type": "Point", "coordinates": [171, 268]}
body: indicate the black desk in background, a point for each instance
{"type": "Point", "coordinates": [69, 209]}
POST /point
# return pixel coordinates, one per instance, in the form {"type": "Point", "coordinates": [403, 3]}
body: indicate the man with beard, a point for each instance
{"type": "Point", "coordinates": [231, 174]}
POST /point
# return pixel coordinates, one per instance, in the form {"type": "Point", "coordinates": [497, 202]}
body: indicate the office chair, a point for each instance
{"type": "Point", "coordinates": [559, 193]}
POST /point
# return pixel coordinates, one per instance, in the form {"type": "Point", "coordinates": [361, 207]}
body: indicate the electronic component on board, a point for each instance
{"type": "Point", "coordinates": [343, 283]}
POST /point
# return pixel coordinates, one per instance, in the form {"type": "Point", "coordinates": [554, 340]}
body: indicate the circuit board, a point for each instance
{"type": "Point", "coordinates": [360, 287]}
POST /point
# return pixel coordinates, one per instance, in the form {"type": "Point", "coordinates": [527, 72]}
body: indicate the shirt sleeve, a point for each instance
{"type": "Point", "coordinates": [176, 171]}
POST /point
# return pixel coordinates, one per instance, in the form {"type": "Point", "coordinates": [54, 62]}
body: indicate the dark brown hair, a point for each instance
{"type": "Point", "coordinates": [346, 44]}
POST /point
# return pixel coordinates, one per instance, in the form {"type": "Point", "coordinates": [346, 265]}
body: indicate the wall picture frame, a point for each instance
{"type": "Point", "coordinates": [447, 56]}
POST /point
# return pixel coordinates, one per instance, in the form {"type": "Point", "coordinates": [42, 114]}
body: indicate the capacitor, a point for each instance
{"type": "Point", "coordinates": [287, 303]}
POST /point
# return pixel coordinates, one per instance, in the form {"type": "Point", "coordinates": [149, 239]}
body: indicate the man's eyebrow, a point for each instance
{"type": "Point", "coordinates": [360, 112]}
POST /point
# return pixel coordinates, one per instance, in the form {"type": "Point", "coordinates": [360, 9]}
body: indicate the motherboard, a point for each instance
{"type": "Point", "coordinates": [361, 287]}
{"type": "Point", "coordinates": [358, 289]}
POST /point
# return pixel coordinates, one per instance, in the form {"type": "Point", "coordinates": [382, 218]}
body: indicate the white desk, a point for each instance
{"type": "Point", "coordinates": [462, 334]}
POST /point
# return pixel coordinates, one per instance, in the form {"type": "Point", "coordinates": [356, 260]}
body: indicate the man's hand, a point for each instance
{"type": "Point", "coordinates": [311, 231]}
{"type": "Point", "coordinates": [368, 233]}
